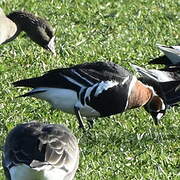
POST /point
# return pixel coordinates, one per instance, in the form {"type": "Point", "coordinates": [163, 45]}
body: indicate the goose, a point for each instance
{"type": "Point", "coordinates": [39, 30]}
{"type": "Point", "coordinates": [98, 89]}
{"type": "Point", "coordinates": [8, 28]}
{"type": "Point", "coordinates": [39, 151]}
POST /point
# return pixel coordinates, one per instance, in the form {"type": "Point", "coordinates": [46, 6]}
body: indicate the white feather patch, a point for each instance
{"type": "Point", "coordinates": [73, 81]}
{"type": "Point", "coordinates": [104, 86]}
{"type": "Point", "coordinates": [24, 172]}
{"type": "Point", "coordinates": [75, 72]}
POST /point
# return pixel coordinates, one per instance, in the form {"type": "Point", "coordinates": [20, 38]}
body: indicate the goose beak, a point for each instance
{"type": "Point", "coordinates": [51, 45]}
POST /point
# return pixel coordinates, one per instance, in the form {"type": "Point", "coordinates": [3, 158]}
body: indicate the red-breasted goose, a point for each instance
{"type": "Point", "coordinates": [96, 89]}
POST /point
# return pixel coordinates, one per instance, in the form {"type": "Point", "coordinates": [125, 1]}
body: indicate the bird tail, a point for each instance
{"type": "Point", "coordinates": [32, 82]}
{"type": "Point", "coordinates": [161, 60]}
{"type": "Point", "coordinates": [31, 93]}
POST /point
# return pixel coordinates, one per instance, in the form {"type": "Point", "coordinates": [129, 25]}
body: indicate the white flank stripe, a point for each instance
{"type": "Point", "coordinates": [63, 99]}
{"type": "Point", "coordinates": [133, 81]}
{"type": "Point", "coordinates": [88, 92]}
{"type": "Point", "coordinates": [105, 85]}
{"type": "Point", "coordinates": [73, 81]}
{"type": "Point", "coordinates": [125, 80]}
{"type": "Point", "coordinates": [81, 77]}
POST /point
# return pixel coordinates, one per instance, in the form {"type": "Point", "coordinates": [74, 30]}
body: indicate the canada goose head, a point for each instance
{"type": "Point", "coordinates": [39, 30]}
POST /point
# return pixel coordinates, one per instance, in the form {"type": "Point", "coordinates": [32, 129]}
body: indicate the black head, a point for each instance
{"type": "Point", "coordinates": [157, 104]}
{"type": "Point", "coordinates": [156, 107]}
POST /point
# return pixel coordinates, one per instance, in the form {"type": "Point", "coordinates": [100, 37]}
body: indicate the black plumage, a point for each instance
{"type": "Point", "coordinates": [38, 29]}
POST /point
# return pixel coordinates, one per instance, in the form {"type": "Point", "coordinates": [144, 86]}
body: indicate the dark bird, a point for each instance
{"type": "Point", "coordinates": [39, 30]}
{"type": "Point", "coordinates": [38, 151]}
{"type": "Point", "coordinates": [96, 89]}
{"type": "Point", "coordinates": [167, 78]}
{"type": "Point", "coordinates": [171, 57]}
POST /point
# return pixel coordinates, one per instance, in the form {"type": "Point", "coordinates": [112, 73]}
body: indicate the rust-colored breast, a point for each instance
{"type": "Point", "coordinates": [139, 95]}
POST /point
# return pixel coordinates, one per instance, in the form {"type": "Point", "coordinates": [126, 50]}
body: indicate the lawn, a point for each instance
{"type": "Point", "coordinates": [126, 146]}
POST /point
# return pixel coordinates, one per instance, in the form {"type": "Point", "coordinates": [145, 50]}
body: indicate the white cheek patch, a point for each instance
{"type": "Point", "coordinates": [159, 116]}
{"type": "Point", "coordinates": [163, 107]}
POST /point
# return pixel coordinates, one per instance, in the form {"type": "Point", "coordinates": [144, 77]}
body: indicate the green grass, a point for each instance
{"type": "Point", "coordinates": [127, 146]}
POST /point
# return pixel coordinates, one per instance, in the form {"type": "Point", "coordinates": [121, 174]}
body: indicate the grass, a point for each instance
{"type": "Point", "coordinates": [127, 146]}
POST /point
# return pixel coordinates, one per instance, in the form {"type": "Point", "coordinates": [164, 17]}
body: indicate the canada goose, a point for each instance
{"type": "Point", "coordinates": [38, 151]}
{"type": "Point", "coordinates": [39, 30]}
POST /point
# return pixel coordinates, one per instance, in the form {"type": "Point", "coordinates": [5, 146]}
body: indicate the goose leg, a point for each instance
{"type": "Point", "coordinates": [78, 115]}
{"type": "Point", "coordinates": [90, 122]}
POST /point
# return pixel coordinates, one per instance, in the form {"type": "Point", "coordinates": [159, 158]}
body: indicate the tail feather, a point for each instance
{"type": "Point", "coordinates": [161, 60]}
{"type": "Point", "coordinates": [32, 82]}
{"type": "Point", "coordinates": [172, 52]}
{"type": "Point", "coordinates": [31, 93]}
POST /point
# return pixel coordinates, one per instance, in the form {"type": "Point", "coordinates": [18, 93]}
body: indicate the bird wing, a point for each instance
{"type": "Point", "coordinates": [171, 73]}
{"type": "Point", "coordinates": [171, 57]}
{"type": "Point", "coordinates": [77, 77]}
{"type": "Point", "coordinates": [161, 60]}
{"type": "Point", "coordinates": [40, 146]}
{"type": "Point", "coordinates": [172, 52]}
{"type": "Point", "coordinates": [60, 150]}
{"type": "Point", "coordinates": [146, 73]}
{"type": "Point", "coordinates": [165, 80]}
